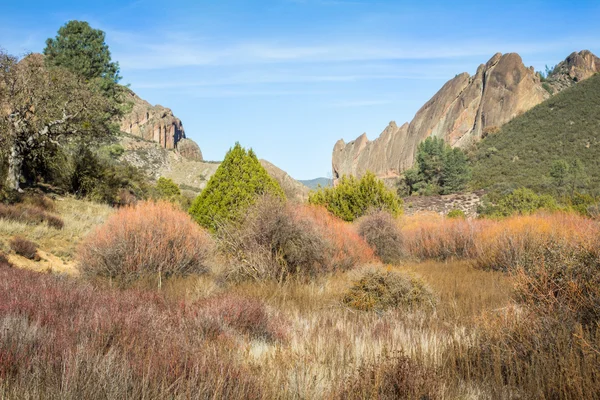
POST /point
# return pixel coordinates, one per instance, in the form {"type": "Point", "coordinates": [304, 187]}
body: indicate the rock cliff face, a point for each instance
{"type": "Point", "coordinates": [576, 67]}
{"type": "Point", "coordinates": [461, 112]}
{"type": "Point", "coordinates": [155, 123]}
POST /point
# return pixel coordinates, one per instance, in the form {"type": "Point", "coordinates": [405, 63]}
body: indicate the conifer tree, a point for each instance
{"type": "Point", "coordinates": [235, 185]}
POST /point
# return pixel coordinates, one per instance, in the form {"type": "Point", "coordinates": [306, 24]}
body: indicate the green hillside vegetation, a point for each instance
{"type": "Point", "coordinates": [554, 148]}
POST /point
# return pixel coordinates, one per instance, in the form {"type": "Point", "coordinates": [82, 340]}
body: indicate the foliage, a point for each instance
{"type": "Point", "coordinates": [439, 169]}
{"type": "Point", "coordinates": [456, 214]}
{"type": "Point", "coordinates": [379, 291]}
{"type": "Point", "coordinates": [381, 231]}
{"type": "Point", "coordinates": [24, 247]}
{"type": "Point", "coordinates": [534, 147]}
{"type": "Point", "coordinates": [166, 188]}
{"type": "Point", "coordinates": [233, 188]}
{"type": "Point", "coordinates": [352, 198]}
{"type": "Point", "coordinates": [145, 241]}
{"type": "Point", "coordinates": [277, 240]}
{"type": "Point", "coordinates": [81, 49]}
{"type": "Point", "coordinates": [105, 180]}
{"type": "Point", "coordinates": [521, 201]}
{"type": "Point", "coordinates": [44, 109]}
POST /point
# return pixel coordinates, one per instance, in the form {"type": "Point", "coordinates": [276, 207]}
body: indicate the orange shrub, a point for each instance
{"type": "Point", "coordinates": [349, 249]}
{"type": "Point", "coordinates": [150, 239]}
{"type": "Point", "coordinates": [497, 244]}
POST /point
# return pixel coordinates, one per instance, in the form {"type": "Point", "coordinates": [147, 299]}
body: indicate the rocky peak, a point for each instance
{"type": "Point", "coordinates": [575, 68]}
{"type": "Point", "coordinates": [461, 112]}
{"type": "Point", "coordinates": [155, 123]}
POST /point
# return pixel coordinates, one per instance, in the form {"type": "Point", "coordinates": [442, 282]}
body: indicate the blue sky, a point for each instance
{"type": "Point", "coordinates": [291, 77]}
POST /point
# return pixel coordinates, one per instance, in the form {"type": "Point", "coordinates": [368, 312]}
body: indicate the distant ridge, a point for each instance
{"type": "Point", "coordinates": [314, 183]}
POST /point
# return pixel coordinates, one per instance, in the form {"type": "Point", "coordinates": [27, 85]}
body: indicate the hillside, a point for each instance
{"type": "Point", "coordinates": [314, 183]}
{"type": "Point", "coordinates": [567, 126]}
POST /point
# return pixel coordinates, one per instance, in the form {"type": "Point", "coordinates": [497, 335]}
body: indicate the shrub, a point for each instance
{"type": "Point", "coordinates": [63, 338]}
{"type": "Point", "coordinates": [166, 188]}
{"type": "Point", "coordinates": [29, 215]}
{"type": "Point", "coordinates": [236, 184]}
{"type": "Point", "coordinates": [246, 315]}
{"type": "Point", "coordinates": [430, 236]}
{"type": "Point", "coordinates": [456, 214]}
{"type": "Point", "coordinates": [150, 239]}
{"type": "Point", "coordinates": [24, 247]}
{"type": "Point", "coordinates": [380, 230]}
{"type": "Point", "coordinates": [562, 280]}
{"type": "Point", "coordinates": [106, 180]}
{"type": "Point", "coordinates": [276, 240]}
{"type": "Point", "coordinates": [352, 198]}
{"type": "Point", "coordinates": [393, 377]}
{"type": "Point", "coordinates": [521, 201]}
{"type": "Point", "coordinates": [380, 291]}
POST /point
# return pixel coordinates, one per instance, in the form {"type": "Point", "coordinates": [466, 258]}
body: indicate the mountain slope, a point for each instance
{"type": "Point", "coordinates": [314, 183]}
{"type": "Point", "coordinates": [461, 112]}
{"type": "Point", "coordinates": [521, 153]}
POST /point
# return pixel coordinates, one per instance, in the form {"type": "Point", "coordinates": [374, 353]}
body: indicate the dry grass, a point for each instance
{"type": "Point", "coordinates": [79, 217]}
{"type": "Point", "coordinates": [202, 337]}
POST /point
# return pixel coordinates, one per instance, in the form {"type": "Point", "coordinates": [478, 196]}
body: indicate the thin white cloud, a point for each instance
{"type": "Point", "coordinates": [182, 50]}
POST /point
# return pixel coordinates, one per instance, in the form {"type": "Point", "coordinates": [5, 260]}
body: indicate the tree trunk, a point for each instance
{"type": "Point", "coordinates": [15, 166]}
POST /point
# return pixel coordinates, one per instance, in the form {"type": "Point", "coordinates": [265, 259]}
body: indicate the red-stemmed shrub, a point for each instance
{"type": "Point", "coordinates": [65, 338]}
{"type": "Point", "coordinates": [245, 315]}
{"type": "Point", "coordinates": [30, 214]}
{"type": "Point", "coordinates": [147, 240]}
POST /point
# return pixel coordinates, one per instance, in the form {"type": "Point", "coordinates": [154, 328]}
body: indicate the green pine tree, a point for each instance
{"type": "Point", "coordinates": [235, 185]}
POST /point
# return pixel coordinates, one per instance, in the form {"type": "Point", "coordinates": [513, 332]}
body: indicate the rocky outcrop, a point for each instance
{"type": "Point", "coordinates": [189, 149]}
{"type": "Point", "coordinates": [464, 110]}
{"type": "Point", "coordinates": [465, 202]}
{"type": "Point", "coordinates": [575, 68]}
{"type": "Point", "coordinates": [154, 123]}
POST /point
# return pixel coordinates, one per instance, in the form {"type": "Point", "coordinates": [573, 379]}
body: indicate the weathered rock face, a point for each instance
{"type": "Point", "coordinates": [189, 149]}
{"type": "Point", "coordinates": [575, 68]}
{"type": "Point", "coordinates": [461, 112]}
{"type": "Point", "coordinates": [155, 123]}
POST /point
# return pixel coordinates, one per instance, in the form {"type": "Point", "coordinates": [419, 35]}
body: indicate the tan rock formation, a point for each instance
{"type": "Point", "coordinates": [155, 123]}
{"type": "Point", "coordinates": [461, 112]}
{"type": "Point", "coordinates": [189, 149]}
{"type": "Point", "coordinates": [293, 189]}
